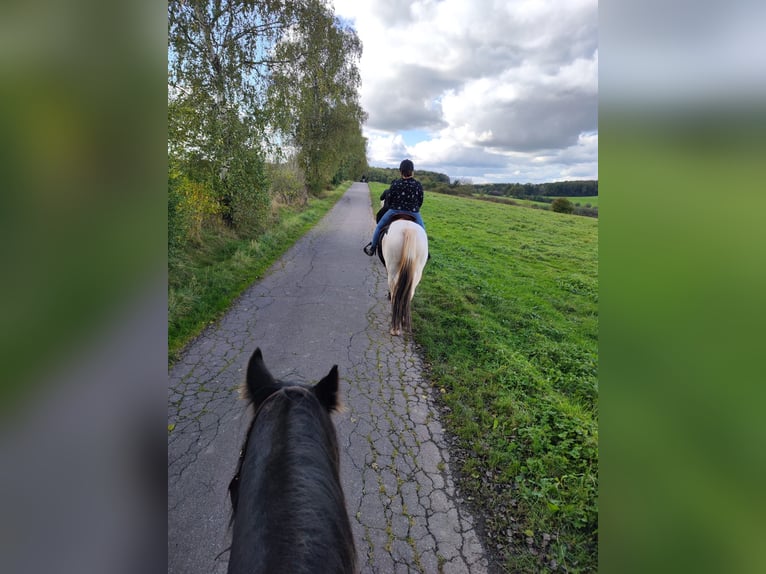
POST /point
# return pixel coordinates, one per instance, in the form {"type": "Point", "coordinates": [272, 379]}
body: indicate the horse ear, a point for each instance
{"type": "Point", "coordinates": [326, 391]}
{"type": "Point", "coordinates": [258, 376]}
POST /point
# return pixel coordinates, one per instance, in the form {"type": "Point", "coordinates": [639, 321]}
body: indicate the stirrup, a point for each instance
{"type": "Point", "coordinates": [368, 249]}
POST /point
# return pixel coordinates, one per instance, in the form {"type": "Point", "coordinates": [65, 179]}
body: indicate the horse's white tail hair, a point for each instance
{"type": "Point", "coordinates": [401, 316]}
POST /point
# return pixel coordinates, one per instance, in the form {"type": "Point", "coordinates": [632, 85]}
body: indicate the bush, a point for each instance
{"type": "Point", "coordinates": [197, 206]}
{"type": "Point", "coordinates": [248, 193]}
{"type": "Point", "coordinates": [586, 211]}
{"type": "Point", "coordinates": [190, 204]}
{"type": "Point", "coordinates": [288, 186]}
{"type": "Point", "coordinates": [562, 205]}
{"type": "Point", "coordinates": [175, 224]}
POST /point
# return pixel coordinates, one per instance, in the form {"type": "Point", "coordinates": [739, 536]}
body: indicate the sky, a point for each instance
{"type": "Point", "coordinates": [481, 90]}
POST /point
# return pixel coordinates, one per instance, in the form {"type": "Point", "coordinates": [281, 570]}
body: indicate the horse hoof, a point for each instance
{"type": "Point", "coordinates": [395, 332]}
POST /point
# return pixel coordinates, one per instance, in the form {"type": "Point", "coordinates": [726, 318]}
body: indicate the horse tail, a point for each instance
{"type": "Point", "coordinates": [400, 297]}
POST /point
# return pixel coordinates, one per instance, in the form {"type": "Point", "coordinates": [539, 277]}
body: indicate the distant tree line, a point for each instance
{"type": "Point", "coordinates": [582, 188]}
{"type": "Point", "coordinates": [440, 182]}
{"type": "Point", "coordinates": [429, 179]}
{"type": "Point", "coordinates": [544, 193]}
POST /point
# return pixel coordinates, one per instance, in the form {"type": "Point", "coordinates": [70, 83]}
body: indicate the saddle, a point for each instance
{"type": "Point", "coordinates": [384, 231]}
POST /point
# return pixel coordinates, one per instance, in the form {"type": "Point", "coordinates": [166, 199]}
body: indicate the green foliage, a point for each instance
{"type": "Point", "coordinates": [247, 187]}
{"type": "Point", "coordinates": [431, 180]}
{"type": "Point", "coordinates": [587, 211]}
{"type": "Point", "coordinates": [214, 92]}
{"type": "Point", "coordinates": [577, 188]}
{"type": "Point", "coordinates": [586, 201]}
{"type": "Point", "coordinates": [245, 79]}
{"type": "Point", "coordinates": [314, 96]}
{"type": "Point", "coordinates": [507, 314]}
{"type": "Point", "coordinates": [288, 185]}
{"type": "Point", "coordinates": [191, 205]}
{"type": "Point", "coordinates": [562, 205]}
{"type": "Point", "coordinates": [175, 217]}
{"type": "Point", "coordinates": [354, 163]}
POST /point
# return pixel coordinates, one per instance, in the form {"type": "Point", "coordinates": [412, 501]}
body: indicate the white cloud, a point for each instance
{"type": "Point", "coordinates": [388, 148]}
{"type": "Point", "coordinates": [496, 83]}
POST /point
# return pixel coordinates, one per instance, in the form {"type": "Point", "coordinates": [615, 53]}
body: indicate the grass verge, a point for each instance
{"type": "Point", "coordinates": [507, 316]}
{"type": "Point", "coordinates": [204, 280]}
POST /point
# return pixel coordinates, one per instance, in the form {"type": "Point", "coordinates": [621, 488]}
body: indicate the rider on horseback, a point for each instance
{"type": "Point", "coordinates": [404, 197]}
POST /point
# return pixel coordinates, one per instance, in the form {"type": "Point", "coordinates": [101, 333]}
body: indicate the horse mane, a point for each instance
{"type": "Point", "coordinates": [291, 516]}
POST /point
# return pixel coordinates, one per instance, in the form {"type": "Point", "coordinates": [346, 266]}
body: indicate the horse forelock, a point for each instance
{"type": "Point", "coordinates": [283, 399]}
{"type": "Point", "coordinates": [294, 424]}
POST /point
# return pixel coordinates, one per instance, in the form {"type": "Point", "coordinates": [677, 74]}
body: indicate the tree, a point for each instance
{"type": "Point", "coordinates": [314, 95]}
{"type": "Point", "coordinates": [219, 53]}
{"type": "Point", "coordinates": [354, 163]}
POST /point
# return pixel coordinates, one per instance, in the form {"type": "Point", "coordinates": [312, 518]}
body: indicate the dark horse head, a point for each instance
{"type": "Point", "coordinates": [289, 513]}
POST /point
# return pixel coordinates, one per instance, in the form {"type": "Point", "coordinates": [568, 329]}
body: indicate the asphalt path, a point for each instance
{"type": "Point", "coordinates": [323, 303]}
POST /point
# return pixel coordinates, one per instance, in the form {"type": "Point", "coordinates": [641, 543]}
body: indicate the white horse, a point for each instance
{"type": "Point", "coordinates": [405, 250]}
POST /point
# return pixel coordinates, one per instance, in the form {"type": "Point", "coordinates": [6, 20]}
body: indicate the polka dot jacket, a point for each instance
{"type": "Point", "coordinates": [406, 194]}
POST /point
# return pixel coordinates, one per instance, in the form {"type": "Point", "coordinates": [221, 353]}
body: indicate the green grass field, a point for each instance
{"type": "Point", "coordinates": [507, 317]}
{"type": "Point", "coordinates": [582, 201]}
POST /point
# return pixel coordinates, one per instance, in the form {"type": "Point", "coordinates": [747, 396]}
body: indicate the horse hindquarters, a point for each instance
{"type": "Point", "coordinates": [406, 254]}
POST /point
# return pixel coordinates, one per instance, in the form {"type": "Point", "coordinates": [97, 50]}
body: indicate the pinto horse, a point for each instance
{"type": "Point", "coordinates": [289, 512]}
{"type": "Point", "coordinates": [405, 252]}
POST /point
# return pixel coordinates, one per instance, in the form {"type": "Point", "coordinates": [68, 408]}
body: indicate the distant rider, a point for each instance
{"type": "Point", "coordinates": [405, 196]}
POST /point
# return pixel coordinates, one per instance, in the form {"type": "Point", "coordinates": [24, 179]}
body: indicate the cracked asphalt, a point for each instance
{"type": "Point", "coordinates": [323, 303]}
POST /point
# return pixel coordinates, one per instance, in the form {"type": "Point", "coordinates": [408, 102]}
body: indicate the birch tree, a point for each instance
{"type": "Point", "coordinates": [314, 94]}
{"type": "Point", "coordinates": [219, 55]}
{"type": "Point", "coordinates": [247, 78]}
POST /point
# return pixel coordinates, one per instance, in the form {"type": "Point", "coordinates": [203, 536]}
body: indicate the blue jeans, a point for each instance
{"type": "Point", "coordinates": [387, 218]}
